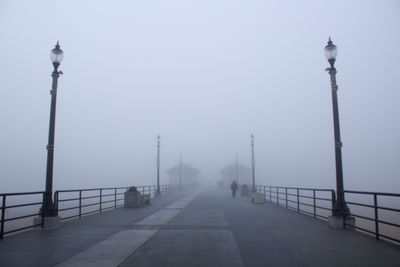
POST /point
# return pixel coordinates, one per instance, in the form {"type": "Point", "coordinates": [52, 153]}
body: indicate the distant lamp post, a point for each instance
{"type": "Point", "coordinates": [236, 169]}
{"type": "Point", "coordinates": [340, 208]}
{"type": "Point", "coordinates": [253, 182]}
{"type": "Point", "coordinates": [49, 209]}
{"type": "Point", "coordinates": [180, 171]}
{"type": "Point", "coordinates": [158, 191]}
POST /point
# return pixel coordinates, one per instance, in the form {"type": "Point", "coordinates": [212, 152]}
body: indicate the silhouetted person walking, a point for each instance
{"type": "Point", "coordinates": [234, 187]}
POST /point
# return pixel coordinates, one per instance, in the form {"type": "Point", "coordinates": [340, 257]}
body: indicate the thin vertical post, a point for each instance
{"type": "Point", "coordinates": [158, 191]}
{"type": "Point", "coordinates": [277, 196]}
{"type": "Point", "coordinates": [253, 161]}
{"type": "Point", "coordinates": [264, 192]}
{"type": "Point", "coordinates": [115, 198]}
{"type": "Point", "coordinates": [236, 169]}
{"type": "Point", "coordinates": [286, 197]}
{"type": "Point", "coordinates": [101, 199]}
{"type": "Point", "coordinates": [376, 217]}
{"type": "Point", "coordinates": [80, 203]}
{"type": "Point", "coordinates": [270, 195]}
{"type": "Point", "coordinates": [315, 206]}
{"type": "Point", "coordinates": [3, 212]}
{"type": "Point", "coordinates": [180, 171]}
{"type": "Point", "coordinates": [298, 201]}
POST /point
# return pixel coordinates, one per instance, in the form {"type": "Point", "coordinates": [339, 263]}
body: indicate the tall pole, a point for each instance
{"type": "Point", "coordinates": [180, 171]}
{"type": "Point", "coordinates": [253, 187]}
{"type": "Point", "coordinates": [49, 208]}
{"type": "Point", "coordinates": [158, 191]}
{"type": "Point", "coordinates": [340, 208]}
{"type": "Point", "coordinates": [236, 169]}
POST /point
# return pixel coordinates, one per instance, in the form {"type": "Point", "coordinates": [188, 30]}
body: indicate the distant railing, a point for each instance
{"type": "Point", "coordinates": [16, 210]}
{"type": "Point", "coordinates": [311, 201]}
{"type": "Point", "coordinates": [372, 217]}
{"type": "Point", "coordinates": [20, 213]}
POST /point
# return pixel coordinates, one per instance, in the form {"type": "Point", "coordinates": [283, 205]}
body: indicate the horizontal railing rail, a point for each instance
{"type": "Point", "coordinates": [19, 212]}
{"type": "Point", "coordinates": [376, 219]}
{"type": "Point", "coordinates": [315, 202]}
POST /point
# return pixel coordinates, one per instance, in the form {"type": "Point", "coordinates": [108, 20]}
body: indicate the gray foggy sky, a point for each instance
{"type": "Point", "coordinates": [205, 75]}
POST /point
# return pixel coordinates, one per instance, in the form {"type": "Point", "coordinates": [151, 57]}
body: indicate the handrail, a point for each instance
{"type": "Point", "coordinates": [88, 201]}
{"type": "Point", "coordinates": [372, 193]}
{"type": "Point", "coordinates": [300, 188]}
{"type": "Point", "coordinates": [96, 200]}
{"type": "Point", "coordinates": [375, 230]}
{"type": "Point", "coordinates": [4, 208]}
{"type": "Point", "coordinates": [93, 189]}
{"type": "Point", "coordinates": [294, 198]}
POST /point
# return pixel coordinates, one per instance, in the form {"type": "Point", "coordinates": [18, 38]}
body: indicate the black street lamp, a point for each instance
{"type": "Point", "coordinates": [56, 56]}
{"type": "Point", "coordinates": [253, 161]}
{"type": "Point", "coordinates": [340, 208]}
{"type": "Point", "coordinates": [158, 191]}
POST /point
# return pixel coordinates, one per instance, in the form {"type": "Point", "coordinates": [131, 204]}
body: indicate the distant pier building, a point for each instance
{"type": "Point", "coordinates": [184, 172]}
{"type": "Point", "coordinates": [236, 171]}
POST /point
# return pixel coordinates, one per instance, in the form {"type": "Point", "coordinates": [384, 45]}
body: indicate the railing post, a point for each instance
{"type": "Point", "coordinates": [315, 207]}
{"type": "Point", "coordinates": [41, 211]}
{"type": "Point", "coordinates": [55, 199]}
{"type": "Point", "coordinates": [80, 203]}
{"type": "Point", "coordinates": [115, 198]}
{"type": "Point", "coordinates": [376, 217]}
{"type": "Point", "coordinates": [264, 192]}
{"type": "Point", "coordinates": [333, 199]}
{"type": "Point", "coordinates": [270, 195]}
{"type": "Point", "coordinates": [286, 196]}
{"type": "Point", "coordinates": [277, 196]}
{"type": "Point", "coordinates": [3, 212]}
{"type": "Point", "coordinates": [298, 201]}
{"type": "Point", "coordinates": [101, 198]}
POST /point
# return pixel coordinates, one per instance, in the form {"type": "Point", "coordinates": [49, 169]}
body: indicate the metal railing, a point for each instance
{"type": "Point", "coordinates": [16, 210]}
{"type": "Point", "coordinates": [375, 218]}
{"type": "Point", "coordinates": [81, 202]}
{"type": "Point", "coordinates": [310, 201]}
{"type": "Point", "coordinates": [21, 214]}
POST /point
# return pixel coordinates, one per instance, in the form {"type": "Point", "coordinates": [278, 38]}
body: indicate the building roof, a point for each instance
{"type": "Point", "coordinates": [230, 170]}
{"type": "Point", "coordinates": [186, 170]}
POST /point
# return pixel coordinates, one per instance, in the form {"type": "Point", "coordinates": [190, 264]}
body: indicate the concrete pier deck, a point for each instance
{"type": "Point", "coordinates": [207, 228]}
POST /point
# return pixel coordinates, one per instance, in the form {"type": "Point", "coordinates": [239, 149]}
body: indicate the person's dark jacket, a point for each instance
{"type": "Point", "coordinates": [234, 186]}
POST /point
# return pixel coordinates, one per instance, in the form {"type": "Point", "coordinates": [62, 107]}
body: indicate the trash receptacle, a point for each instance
{"type": "Point", "coordinates": [133, 198]}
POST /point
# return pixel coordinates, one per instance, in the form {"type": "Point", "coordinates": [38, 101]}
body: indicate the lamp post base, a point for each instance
{"type": "Point", "coordinates": [158, 193]}
{"type": "Point", "coordinates": [337, 222]}
{"type": "Point", "coordinates": [49, 222]}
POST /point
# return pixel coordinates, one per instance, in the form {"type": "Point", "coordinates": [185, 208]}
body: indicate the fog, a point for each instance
{"type": "Point", "coordinates": [204, 75]}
